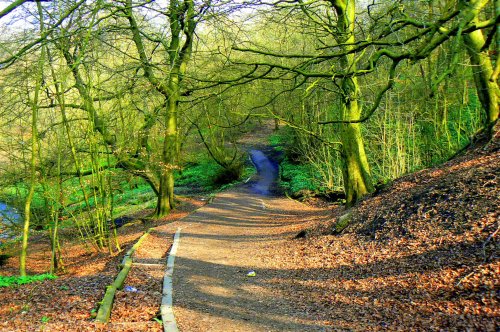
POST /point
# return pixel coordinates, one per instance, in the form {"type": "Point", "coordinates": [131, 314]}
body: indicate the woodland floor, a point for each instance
{"type": "Point", "coordinates": [69, 302]}
{"type": "Point", "coordinates": [422, 255]}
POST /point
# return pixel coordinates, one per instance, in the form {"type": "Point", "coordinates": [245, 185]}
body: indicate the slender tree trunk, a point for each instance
{"type": "Point", "coordinates": [34, 152]}
{"type": "Point", "coordinates": [27, 204]}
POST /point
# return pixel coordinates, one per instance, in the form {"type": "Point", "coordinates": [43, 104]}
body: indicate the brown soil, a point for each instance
{"type": "Point", "coordinates": [421, 255]}
{"type": "Point", "coordinates": [220, 244]}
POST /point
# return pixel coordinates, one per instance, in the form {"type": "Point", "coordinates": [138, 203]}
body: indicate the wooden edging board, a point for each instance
{"type": "Point", "coordinates": [166, 308]}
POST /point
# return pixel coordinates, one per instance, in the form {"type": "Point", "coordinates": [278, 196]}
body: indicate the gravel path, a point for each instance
{"type": "Point", "coordinates": [220, 244]}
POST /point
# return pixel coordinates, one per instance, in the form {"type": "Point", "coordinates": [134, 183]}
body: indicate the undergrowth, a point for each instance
{"type": "Point", "coordinates": [17, 280]}
{"type": "Point", "coordinates": [206, 175]}
{"type": "Point", "coordinates": [295, 177]}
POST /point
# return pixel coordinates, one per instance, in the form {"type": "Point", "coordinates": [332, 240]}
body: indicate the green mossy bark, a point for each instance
{"type": "Point", "coordinates": [342, 223]}
{"type": "Point", "coordinates": [483, 71]}
{"type": "Point", "coordinates": [104, 312]}
{"type": "Point", "coordinates": [357, 176]}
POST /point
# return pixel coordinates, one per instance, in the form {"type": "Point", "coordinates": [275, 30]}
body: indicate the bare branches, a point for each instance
{"type": "Point", "coordinates": [11, 7]}
{"type": "Point", "coordinates": [43, 36]}
{"type": "Point", "coordinates": [378, 99]}
{"type": "Point", "coordinates": [403, 38]}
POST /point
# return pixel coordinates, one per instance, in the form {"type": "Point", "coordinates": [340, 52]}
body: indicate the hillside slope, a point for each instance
{"type": "Point", "coordinates": [421, 255]}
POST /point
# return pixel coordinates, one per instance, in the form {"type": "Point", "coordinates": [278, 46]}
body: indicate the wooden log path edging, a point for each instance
{"type": "Point", "coordinates": [166, 308]}
{"type": "Point", "coordinates": [104, 312]}
{"type": "Point", "coordinates": [131, 251]}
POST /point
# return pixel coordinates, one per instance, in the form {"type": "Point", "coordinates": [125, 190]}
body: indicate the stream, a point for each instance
{"type": "Point", "coordinates": [8, 217]}
{"type": "Point", "coordinates": [267, 173]}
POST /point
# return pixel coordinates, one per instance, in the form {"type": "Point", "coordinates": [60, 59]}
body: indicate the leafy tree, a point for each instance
{"type": "Point", "coordinates": [183, 19]}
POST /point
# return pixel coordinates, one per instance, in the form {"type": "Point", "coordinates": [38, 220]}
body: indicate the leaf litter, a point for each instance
{"type": "Point", "coordinates": [70, 302]}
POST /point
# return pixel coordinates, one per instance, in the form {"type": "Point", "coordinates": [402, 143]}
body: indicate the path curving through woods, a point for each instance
{"type": "Point", "coordinates": [225, 240]}
{"type": "Point", "coordinates": [222, 243]}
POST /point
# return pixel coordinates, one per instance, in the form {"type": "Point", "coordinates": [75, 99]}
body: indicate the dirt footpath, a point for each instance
{"type": "Point", "coordinates": [220, 244]}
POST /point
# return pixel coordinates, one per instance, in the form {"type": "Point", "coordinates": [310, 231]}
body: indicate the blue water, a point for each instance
{"type": "Point", "coordinates": [8, 217]}
{"type": "Point", "coordinates": [267, 172]}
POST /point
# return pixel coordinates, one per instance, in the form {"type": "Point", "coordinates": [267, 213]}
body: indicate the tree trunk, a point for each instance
{"type": "Point", "coordinates": [166, 200]}
{"type": "Point", "coordinates": [487, 91]}
{"type": "Point", "coordinates": [486, 87]}
{"type": "Point", "coordinates": [182, 23]}
{"type": "Point", "coordinates": [34, 152]}
{"type": "Point", "coordinates": [166, 196]}
{"type": "Point", "coordinates": [357, 176]}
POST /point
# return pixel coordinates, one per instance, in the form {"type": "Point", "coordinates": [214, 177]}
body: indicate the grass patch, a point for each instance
{"type": "Point", "coordinates": [200, 174]}
{"type": "Point", "coordinates": [17, 280]}
{"type": "Point", "coordinates": [297, 178]}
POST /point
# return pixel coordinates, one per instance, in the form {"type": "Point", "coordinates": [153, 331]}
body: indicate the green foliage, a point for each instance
{"type": "Point", "coordinates": [299, 177]}
{"type": "Point", "coordinates": [16, 280]}
{"type": "Point", "coordinates": [206, 175]}
{"type": "Point", "coordinates": [200, 174]}
{"type": "Point", "coordinates": [285, 140]}
{"type": "Point", "coordinates": [135, 196]}
{"type": "Point", "coordinates": [15, 195]}
{"type": "Point", "coordinates": [296, 176]}
{"type": "Point", "coordinates": [277, 141]}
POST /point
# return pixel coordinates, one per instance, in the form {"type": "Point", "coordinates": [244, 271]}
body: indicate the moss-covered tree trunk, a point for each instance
{"type": "Point", "coordinates": [486, 83]}
{"type": "Point", "coordinates": [169, 157]}
{"type": "Point", "coordinates": [182, 22]}
{"type": "Point", "coordinates": [357, 176]}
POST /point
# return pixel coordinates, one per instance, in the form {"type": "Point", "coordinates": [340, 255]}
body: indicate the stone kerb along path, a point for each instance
{"type": "Point", "coordinates": [221, 244]}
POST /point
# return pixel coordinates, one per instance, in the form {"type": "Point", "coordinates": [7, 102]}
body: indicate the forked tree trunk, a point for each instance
{"type": "Point", "coordinates": [182, 26]}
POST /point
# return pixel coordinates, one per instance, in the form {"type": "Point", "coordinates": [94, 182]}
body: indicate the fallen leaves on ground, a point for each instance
{"type": "Point", "coordinates": [69, 302]}
{"type": "Point", "coordinates": [421, 255]}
